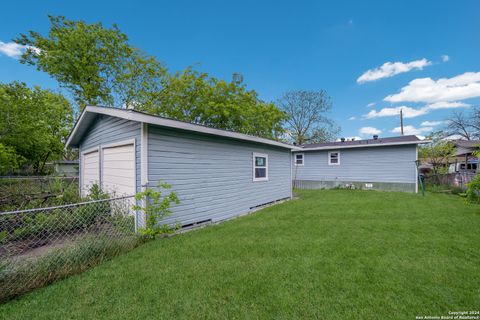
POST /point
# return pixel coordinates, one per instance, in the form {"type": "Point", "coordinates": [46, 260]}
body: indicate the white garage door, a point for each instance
{"type": "Point", "coordinates": [90, 171]}
{"type": "Point", "coordinates": [118, 170]}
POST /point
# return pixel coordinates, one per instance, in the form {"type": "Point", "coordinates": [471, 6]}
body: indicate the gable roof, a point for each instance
{"type": "Point", "coordinates": [467, 143]}
{"type": "Point", "coordinates": [380, 142]}
{"type": "Point", "coordinates": [91, 112]}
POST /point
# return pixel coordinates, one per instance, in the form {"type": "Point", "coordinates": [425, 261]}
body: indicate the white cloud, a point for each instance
{"type": "Point", "coordinates": [408, 112]}
{"type": "Point", "coordinates": [445, 58]}
{"type": "Point", "coordinates": [447, 105]}
{"type": "Point", "coordinates": [371, 104]}
{"type": "Point", "coordinates": [426, 90]}
{"type": "Point", "coordinates": [352, 118]}
{"type": "Point", "coordinates": [431, 123]}
{"type": "Point", "coordinates": [14, 50]}
{"type": "Point", "coordinates": [368, 131]}
{"type": "Point", "coordinates": [389, 69]}
{"type": "Point", "coordinates": [411, 130]}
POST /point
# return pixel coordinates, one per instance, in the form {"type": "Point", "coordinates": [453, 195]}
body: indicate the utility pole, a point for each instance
{"type": "Point", "coordinates": [401, 120]}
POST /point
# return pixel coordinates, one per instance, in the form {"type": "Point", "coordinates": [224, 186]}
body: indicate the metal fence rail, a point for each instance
{"type": "Point", "coordinates": [38, 246]}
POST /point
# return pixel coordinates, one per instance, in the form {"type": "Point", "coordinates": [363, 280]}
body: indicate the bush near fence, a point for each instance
{"type": "Point", "coordinates": [18, 193]}
{"type": "Point", "coordinates": [39, 246]}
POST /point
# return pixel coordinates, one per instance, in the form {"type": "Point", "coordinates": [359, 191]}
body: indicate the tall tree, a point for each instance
{"type": "Point", "coordinates": [96, 64]}
{"type": "Point", "coordinates": [464, 125]}
{"type": "Point", "coordinates": [306, 116]}
{"type": "Point", "coordinates": [196, 97]}
{"type": "Point", "coordinates": [438, 152]}
{"type": "Point", "coordinates": [34, 123]}
{"type": "Point", "coordinates": [99, 67]}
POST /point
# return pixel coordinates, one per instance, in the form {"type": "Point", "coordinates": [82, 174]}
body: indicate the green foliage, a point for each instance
{"type": "Point", "coordinates": [22, 276]}
{"type": "Point", "coordinates": [19, 194]}
{"type": "Point", "coordinates": [34, 124]}
{"type": "Point", "coordinates": [473, 190]}
{"type": "Point", "coordinates": [100, 67]}
{"type": "Point", "coordinates": [95, 63]}
{"type": "Point", "coordinates": [61, 220]}
{"type": "Point", "coordinates": [9, 160]}
{"type": "Point", "coordinates": [156, 206]}
{"type": "Point", "coordinates": [437, 153]}
{"type": "Point", "coordinates": [196, 97]}
{"type": "Point", "coordinates": [331, 254]}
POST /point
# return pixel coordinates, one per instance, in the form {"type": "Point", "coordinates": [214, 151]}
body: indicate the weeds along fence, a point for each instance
{"type": "Point", "coordinates": [451, 180]}
{"type": "Point", "coordinates": [38, 246]}
{"type": "Point", "coordinates": [28, 192]}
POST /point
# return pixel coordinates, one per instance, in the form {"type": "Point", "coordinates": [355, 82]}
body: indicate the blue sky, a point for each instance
{"type": "Point", "coordinates": [284, 45]}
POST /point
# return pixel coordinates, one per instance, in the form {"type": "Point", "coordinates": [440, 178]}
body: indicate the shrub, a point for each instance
{"type": "Point", "coordinates": [473, 190]}
{"type": "Point", "coordinates": [156, 207]}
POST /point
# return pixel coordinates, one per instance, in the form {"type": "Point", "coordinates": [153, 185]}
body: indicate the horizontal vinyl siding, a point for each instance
{"type": "Point", "coordinates": [106, 130]}
{"type": "Point", "coordinates": [377, 164]}
{"type": "Point", "coordinates": [213, 176]}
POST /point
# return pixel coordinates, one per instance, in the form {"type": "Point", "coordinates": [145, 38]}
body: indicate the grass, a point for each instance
{"type": "Point", "coordinates": [334, 254]}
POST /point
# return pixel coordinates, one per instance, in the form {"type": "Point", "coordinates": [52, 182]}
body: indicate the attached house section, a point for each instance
{"type": "Point", "coordinates": [379, 167]}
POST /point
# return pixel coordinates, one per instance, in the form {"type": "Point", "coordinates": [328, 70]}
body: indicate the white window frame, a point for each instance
{"type": "Point", "coordinates": [330, 158]}
{"type": "Point", "coordinates": [261, 155]}
{"type": "Point", "coordinates": [295, 159]}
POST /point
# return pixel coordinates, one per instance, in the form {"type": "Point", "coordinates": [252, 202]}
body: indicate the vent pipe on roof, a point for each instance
{"type": "Point", "coordinates": [375, 137]}
{"type": "Point", "coordinates": [342, 139]}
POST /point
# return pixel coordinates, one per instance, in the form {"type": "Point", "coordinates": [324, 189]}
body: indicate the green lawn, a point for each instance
{"type": "Point", "coordinates": [331, 254]}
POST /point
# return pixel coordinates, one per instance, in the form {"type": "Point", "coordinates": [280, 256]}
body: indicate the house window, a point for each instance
{"type": "Point", "coordinates": [260, 167]}
{"type": "Point", "coordinates": [299, 159]}
{"type": "Point", "coordinates": [334, 158]}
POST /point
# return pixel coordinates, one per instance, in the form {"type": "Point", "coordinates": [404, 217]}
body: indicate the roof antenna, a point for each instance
{"type": "Point", "coordinates": [401, 120]}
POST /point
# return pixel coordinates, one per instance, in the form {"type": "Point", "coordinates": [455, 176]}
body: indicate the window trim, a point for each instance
{"type": "Point", "coordinates": [295, 159]}
{"type": "Point", "coordinates": [330, 158]}
{"type": "Point", "coordinates": [260, 155]}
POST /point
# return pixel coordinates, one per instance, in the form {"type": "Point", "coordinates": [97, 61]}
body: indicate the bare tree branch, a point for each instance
{"type": "Point", "coordinates": [306, 122]}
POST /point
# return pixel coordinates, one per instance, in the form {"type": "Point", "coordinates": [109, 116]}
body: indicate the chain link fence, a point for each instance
{"type": "Point", "coordinates": [38, 246]}
{"type": "Point", "coordinates": [18, 193]}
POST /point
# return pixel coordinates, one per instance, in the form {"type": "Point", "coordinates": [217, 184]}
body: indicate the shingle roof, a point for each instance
{"type": "Point", "coordinates": [467, 143]}
{"type": "Point", "coordinates": [370, 142]}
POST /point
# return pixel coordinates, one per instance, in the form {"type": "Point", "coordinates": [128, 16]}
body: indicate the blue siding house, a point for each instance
{"type": "Point", "coordinates": [220, 174]}
{"type": "Point", "coordinates": [217, 174]}
{"type": "Point", "coordinates": [378, 163]}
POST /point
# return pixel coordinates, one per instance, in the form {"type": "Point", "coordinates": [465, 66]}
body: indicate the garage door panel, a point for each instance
{"type": "Point", "coordinates": [119, 157]}
{"type": "Point", "coordinates": [120, 165]}
{"type": "Point", "coordinates": [118, 170]}
{"type": "Point", "coordinates": [90, 171]}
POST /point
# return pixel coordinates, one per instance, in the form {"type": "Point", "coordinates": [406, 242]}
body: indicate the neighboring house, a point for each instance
{"type": "Point", "coordinates": [68, 168]}
{"type": "Point", "coordinates": [465, 161]}
{"type": "Point", "coordinates": [217, 174]}
{"type": "Point", "coordinates": [378, 163]}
